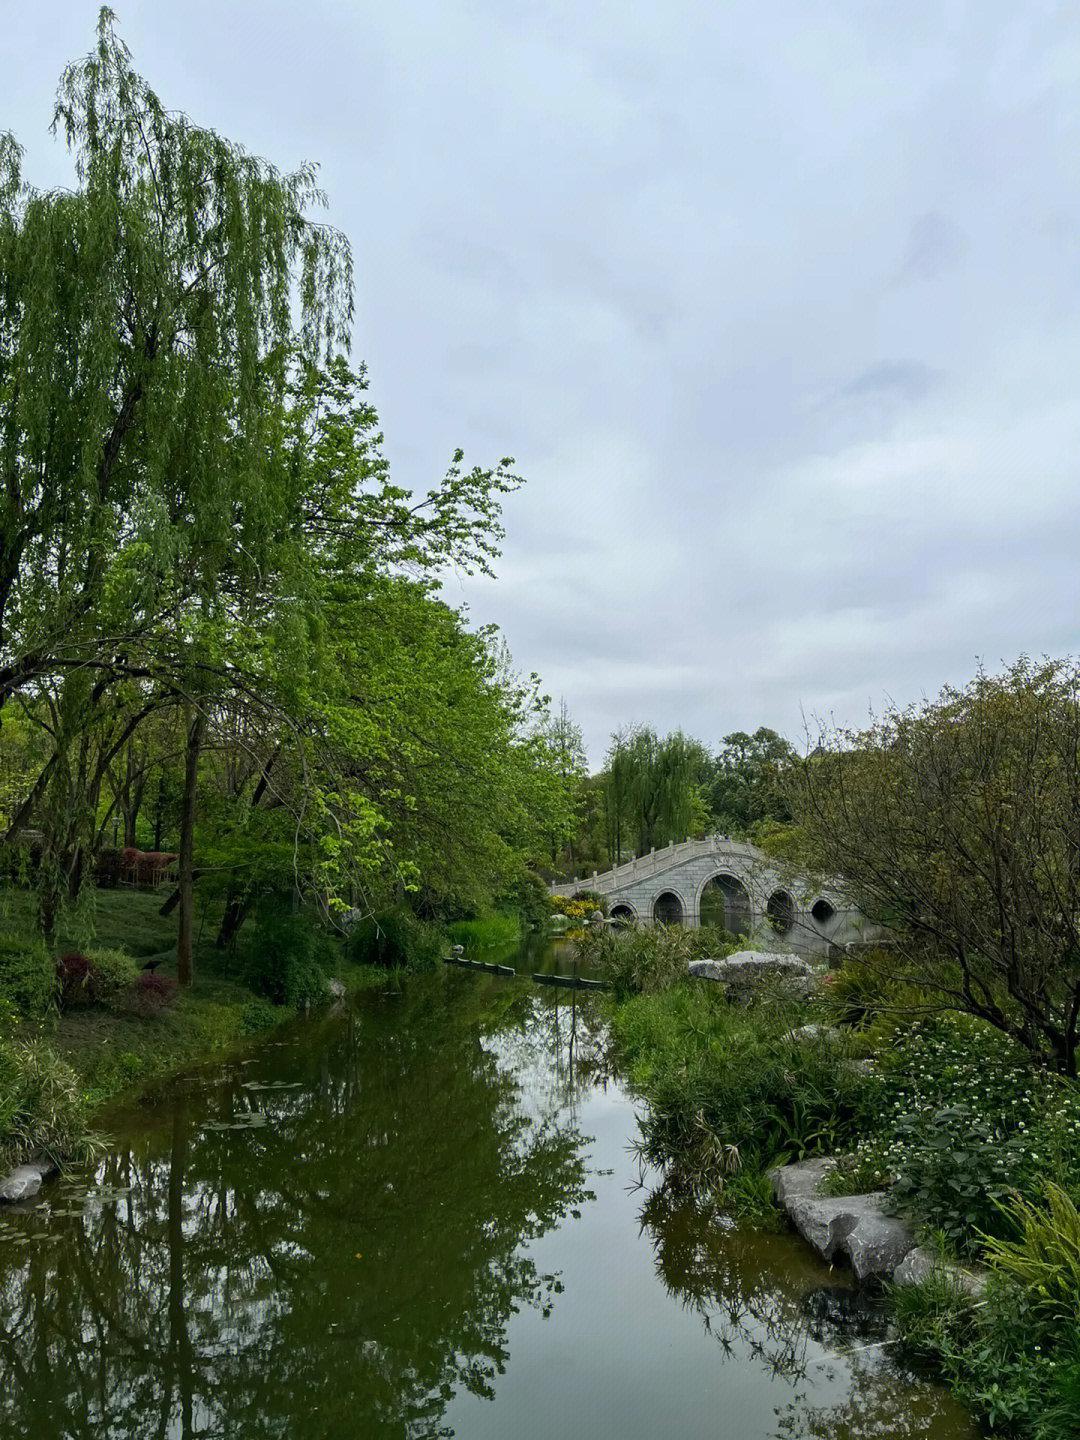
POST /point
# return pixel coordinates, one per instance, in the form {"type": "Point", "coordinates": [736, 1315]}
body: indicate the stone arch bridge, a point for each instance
{"type": "Point", "coordinates": [730, 883]}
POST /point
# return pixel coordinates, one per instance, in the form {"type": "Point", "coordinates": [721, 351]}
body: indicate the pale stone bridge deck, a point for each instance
{"type": "Point", "coordinates": [730, 883]}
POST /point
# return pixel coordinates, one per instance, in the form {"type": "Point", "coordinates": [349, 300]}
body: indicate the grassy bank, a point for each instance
{"type": "Point", "coordinates": [74, 1037]}
{"type": "Point", "coordinates": [975, 1145]}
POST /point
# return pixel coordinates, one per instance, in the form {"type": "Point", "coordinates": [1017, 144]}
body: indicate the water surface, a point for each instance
{"type": "Point", "coordinates": [420, 1218]}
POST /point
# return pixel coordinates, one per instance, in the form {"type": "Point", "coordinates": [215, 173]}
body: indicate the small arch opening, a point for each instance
{"type": "Point", "coordinates": [668, 909]}
{"type": "Point", "coordinates": [822, 911]}
{"type": "Point", "coordinates": [725, 902]}
{"type": "Point", "coordinates": [780, 910]}
{"type": "Point", "coordinates": [622, 914]}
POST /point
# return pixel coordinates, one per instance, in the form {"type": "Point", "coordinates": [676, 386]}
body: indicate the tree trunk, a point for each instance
{"type": "Point", "coordinates": [185, 965]}
{"type": "Point", "coordinates": [236, 912]}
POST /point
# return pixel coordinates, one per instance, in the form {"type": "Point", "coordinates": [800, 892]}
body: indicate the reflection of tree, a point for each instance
{"type": "Point", "coordinates": [763, 1296]}
{"type": "Point", "coordinates": [338, 1270]}
{"type": "Point", "coordinates": [884, 1402]}
{"type": "Point", "coordinates": [749, 1288]}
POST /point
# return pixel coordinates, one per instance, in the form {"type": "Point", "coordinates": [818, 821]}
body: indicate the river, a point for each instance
{"type": "Point", "coordinates": [420, 1217]}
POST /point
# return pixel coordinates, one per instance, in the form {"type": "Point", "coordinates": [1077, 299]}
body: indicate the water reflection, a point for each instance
{"type": "Point", "coordinates": [385, 1225]}
{"type": "Point", "coordinates": [339, 1266]}
{"type": "Point", "coordinates": [761, 1297]}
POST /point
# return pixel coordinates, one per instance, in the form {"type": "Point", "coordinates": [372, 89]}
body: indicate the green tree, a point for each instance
{"type": "Point", "coordinates": [954, 824]}
{"type": "Point", "coordinates": [747, 783]}
{"type": "Point", "coordinates": [654, 788]}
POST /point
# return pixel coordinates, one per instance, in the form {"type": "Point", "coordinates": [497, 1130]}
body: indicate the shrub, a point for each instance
{"type": "Point", "coordinates": [73, 979]}
{"type": "Point", "coordinates": [112, 974]}
{"type": "Point", "coordinates": [41, 1105]}
{"type": "Point", "coordinates": [719, 1075]}
{"type": "Point", "coordinates": [27, 975]}
{"type": "Point", "coordinates": [287, 957]}
{"type": "Point", "coordinates": [650, 959]}
{"type": "Point", "coordinates": [397, 939]}
{"type": "Point", "coordinates": [1020, 1374]}
{"type": "Point", "coordinates": [151, 994]}
{"type": "Point", "coordinates": [967, 1119]}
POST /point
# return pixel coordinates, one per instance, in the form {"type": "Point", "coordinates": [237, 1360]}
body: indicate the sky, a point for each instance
{"type": "Point", "coordinates": [776, 305]}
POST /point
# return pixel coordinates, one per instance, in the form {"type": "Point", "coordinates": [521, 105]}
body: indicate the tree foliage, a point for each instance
{"type": "Point", "coordinates": [954, 824]}
{"type": "Point", "coordinates": [221, 630]}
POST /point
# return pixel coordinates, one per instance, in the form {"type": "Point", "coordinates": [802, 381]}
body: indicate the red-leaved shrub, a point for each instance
{"type": "Point", "coordinates": [73, 972]}
{"type": "Point", "coordinates": [152, 994]}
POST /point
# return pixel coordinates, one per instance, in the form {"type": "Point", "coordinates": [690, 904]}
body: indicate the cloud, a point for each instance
{"type": "Point", "coordinates": [775, 306]}
{"type": "Point", "coordinates": [935, 245]}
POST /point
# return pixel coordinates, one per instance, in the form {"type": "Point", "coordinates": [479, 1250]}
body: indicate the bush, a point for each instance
{"type": "Point", "coordinates": [966, 1120]}
{"type": "Point", "coordinates": [650, 959]}
{"type": "Point", "coordinates": [73, 979]}
{"type": "Point", "coordinates": [287, 957]}
{"type": "Point", "coordinates": [151, 995]}
{"type": "Point", "coordinates": [112, 974]}
{"type": "Point", "coordinates": [27, 975]}
{"type": "Point", "coordinates": [1004, 1361]}
{"type": "Point", "coordinates": [41, 1105]}
{"type": "Point", "coordinates": [723, 1079]}
{"type": "Point", "coordinates": [396, 939]}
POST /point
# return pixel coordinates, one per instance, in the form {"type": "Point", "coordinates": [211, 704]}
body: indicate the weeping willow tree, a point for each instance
{"type": "Point", "coordinates": [653, 788]}
{"type": "Point", "coordinates": [148, 317]}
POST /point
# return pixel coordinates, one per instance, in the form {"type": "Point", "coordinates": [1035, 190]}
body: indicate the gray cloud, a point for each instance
{"type": "Point", "coordinates": [935, 245]}
{"type": "Point", "coordinates": [776, 307]}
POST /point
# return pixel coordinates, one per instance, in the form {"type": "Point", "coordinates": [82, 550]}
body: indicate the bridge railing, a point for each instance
{"type": "Point", "coordinates": [644, 866]}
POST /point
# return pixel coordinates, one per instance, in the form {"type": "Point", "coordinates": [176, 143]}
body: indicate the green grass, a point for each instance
{"type": "Point", "coordinates": [112, 1053]}
{"type": "Point", "coordinates": [119, 919]}
{"type": "Point", "coordinates": [484, 933]}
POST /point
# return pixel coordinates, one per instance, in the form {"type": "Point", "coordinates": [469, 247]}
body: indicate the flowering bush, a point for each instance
{"type": "Point", "coordinates": [966, 1121]}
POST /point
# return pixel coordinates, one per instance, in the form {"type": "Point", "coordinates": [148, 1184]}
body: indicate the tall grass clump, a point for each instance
{"type": "Point", "coordinates": [396, 939]}
{"type": "Point", "coordinates": [42, 1108]}
{"type": "Point", "coordinates": [1045, 1260]}
{"type": "Point", "coordinates": [27, 975]}
{"type": "Point", "coordinates": [730, 1087]}
{"type": "Point", "coordinates": [485, 932]}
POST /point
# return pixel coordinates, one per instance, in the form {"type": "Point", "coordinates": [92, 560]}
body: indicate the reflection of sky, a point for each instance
{"type": "Point", "coordinates": [776, 305]}
{"type": "Point", "coordinates": [622, 1357]}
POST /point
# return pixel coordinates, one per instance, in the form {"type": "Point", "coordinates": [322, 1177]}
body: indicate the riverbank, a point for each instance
{"type": "Point", "coordinates": [938, 1118]}
{"type": "Point", "coordinates": [417, 1215]}
{"type": "Point", "coordinates": [61, 1066]}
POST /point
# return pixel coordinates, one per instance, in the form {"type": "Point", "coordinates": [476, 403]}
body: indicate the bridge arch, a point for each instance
{"type": "Point", "coordinates": [668, 908]}
{"type": "Point", "coordinates": [781, 911]}
{"type": "Point", "coordinates": [723, 899]}
{"type": "Point", "coordinates": [623, 911]}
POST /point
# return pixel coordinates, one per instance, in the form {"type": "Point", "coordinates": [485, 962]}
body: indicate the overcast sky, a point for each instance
{"type": "Point", "coordinates": [776, 305]}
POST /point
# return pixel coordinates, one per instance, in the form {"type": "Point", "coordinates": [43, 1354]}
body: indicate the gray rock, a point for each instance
{"type": "Point", "coordinates": [25, 1181]}
{"type": "Point", "coordinates": [747, 971]}
{"type": "Point", "coordinates": [853, 1227]}
{"type": "Point", "coordinates": [921, 1264]}
{"type": "Point", "coordinates": [799, 1181]}
{"type": "Point", "coordinates": [825, 1033]}
{"type": "Point", "coordinates": [336, 989]}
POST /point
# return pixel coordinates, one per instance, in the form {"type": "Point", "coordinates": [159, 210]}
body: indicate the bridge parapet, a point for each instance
{"type": "Point", "coordinates": [754, 893]}
{"type": "Point", "coordinates": [644, 866]}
